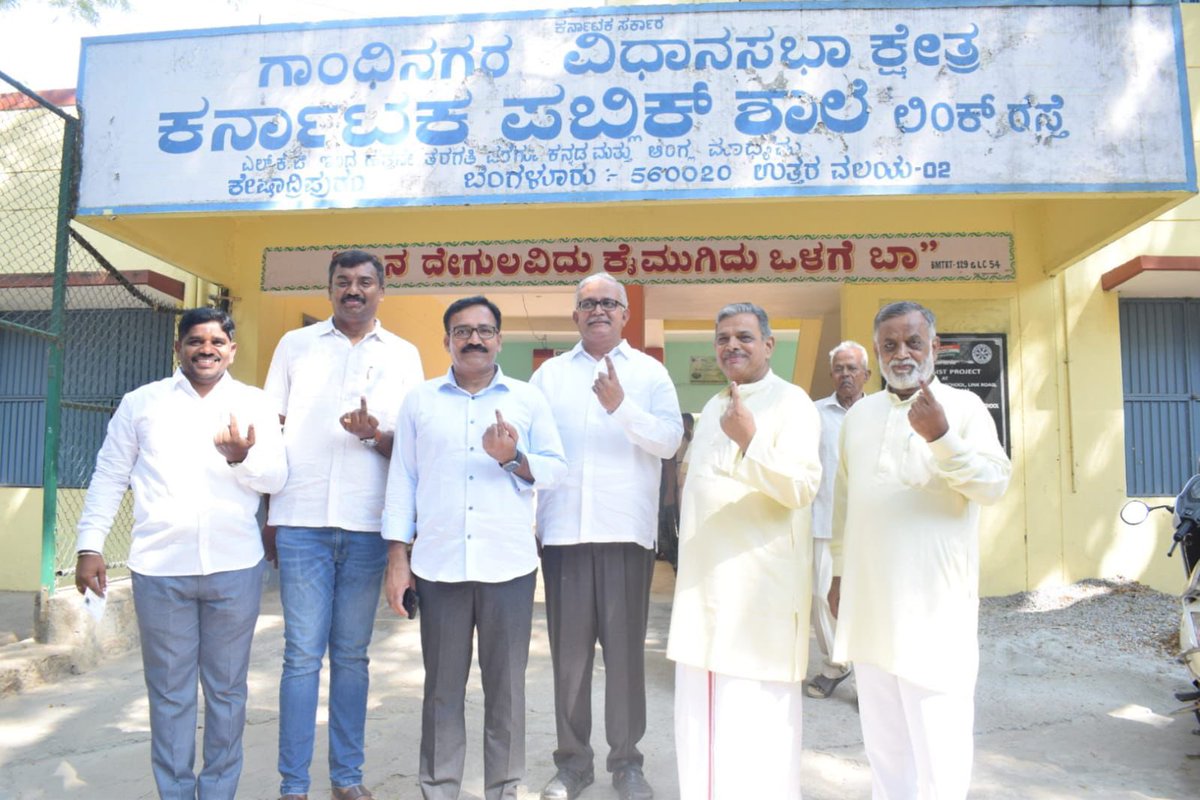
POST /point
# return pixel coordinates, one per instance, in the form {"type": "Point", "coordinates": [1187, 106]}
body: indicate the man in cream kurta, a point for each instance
{"type": "Point", "coordinates": [918, 460]}
{"type": "Point", "coordinates": [739, 624]}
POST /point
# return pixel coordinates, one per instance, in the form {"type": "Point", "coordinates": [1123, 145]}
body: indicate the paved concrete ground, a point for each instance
{"type": "Point", "coordinates": [1059, 716]}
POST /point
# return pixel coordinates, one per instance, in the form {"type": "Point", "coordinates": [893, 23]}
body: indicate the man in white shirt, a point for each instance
{"type": "Point", "coordinates": [618, 414]}
{"type": "Point", "coordinates": [470, 448]}
{"type": "Point", "coordinates": [337, 386]}
{"type": "Point", "coordinates": [198, 449]}
{"type": "Point", "coordinates": [917, 462]}
{"type": "Point", "coordinates": [739, 624]}
{"type": "Point", "coordinates": [849, 370]}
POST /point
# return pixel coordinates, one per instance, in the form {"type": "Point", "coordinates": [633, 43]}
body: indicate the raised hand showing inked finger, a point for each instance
{"type": "Point", "coordinates": [231, 444]}
{"type": "Point", "coordinates": [608, 387]}
{"type": "Point", "coordinates": [926, 415]}
{"type": "Point", "coordinates": [737, 421]}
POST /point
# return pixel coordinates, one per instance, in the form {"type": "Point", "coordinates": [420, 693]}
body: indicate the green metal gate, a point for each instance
{"type": "Point", "coordinates": [75, 334]}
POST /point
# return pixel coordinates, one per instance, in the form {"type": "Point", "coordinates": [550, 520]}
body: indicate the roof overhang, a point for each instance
{"type": "Point", "coordinates": [33, 292]}
{"type": "Point", "coordinates": [1155, 276]}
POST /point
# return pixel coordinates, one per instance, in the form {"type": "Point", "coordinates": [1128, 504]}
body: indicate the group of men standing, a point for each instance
{"type": "Point", "coordinates": [380, 477]}
{"type": "Point", "coordinates": [886, 562]}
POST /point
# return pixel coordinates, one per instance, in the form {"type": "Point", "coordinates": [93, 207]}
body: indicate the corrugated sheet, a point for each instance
{"type": "Point", "coordinates": [1160, 371]}
{"type": "Point", "coordinates": [108, 353]}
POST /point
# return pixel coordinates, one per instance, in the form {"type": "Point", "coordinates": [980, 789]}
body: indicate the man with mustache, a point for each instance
{"type": "Point", "coordinates": [471, 447]}
{"type": "Point", "coordinates": [618, 415]}
{"type": "Point", "coordinates": [198, 449]}
{"type": "Point", "coordinates": [918, 460]}
{"type": "Point", "coordinates": [848, 368]}
{"type": "Point", "coordinates": [337, 385]}
{"type": "Point", "coordinates": [739, 625]}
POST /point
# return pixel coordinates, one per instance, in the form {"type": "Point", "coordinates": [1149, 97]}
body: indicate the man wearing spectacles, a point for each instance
{"type": "Point", "coordinates": [618, 414]}
{"type": "Point", "coordinates": [471, 446]}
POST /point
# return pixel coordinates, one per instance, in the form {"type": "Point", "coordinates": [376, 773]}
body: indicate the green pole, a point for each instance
{"type": "Point", "coordinates": [55, 359]}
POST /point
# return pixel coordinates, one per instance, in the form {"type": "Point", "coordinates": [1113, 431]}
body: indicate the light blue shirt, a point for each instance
{"type": "Point", "coordinates": [472, 520]}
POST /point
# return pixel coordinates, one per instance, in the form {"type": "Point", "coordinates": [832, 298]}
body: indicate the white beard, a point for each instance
{"type": "Point", "coordinates": [913, 379]}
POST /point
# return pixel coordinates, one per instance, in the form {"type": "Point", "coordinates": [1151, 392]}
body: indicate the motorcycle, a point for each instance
{"type": "Point", "coordinates": [1186, 518]}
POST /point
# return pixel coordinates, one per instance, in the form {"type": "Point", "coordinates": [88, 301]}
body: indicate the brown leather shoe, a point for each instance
{"type": "Point", "coordinates": [355, 792]}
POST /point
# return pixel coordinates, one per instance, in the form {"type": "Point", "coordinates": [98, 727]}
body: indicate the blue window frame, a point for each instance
{"type": "Point", "coordinates": [1160, 375]}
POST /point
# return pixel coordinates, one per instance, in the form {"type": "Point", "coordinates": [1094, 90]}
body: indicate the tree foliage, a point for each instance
{"type": "Point", "coordinates": [87, 10]}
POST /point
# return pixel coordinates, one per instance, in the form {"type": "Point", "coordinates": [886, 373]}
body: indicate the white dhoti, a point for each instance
{"type": "Point", "coordinates": [822, 617]}
{"type": "Point", "coordinates": [736, 738]}
{"type": "Point", "coordinates": [920, 742]}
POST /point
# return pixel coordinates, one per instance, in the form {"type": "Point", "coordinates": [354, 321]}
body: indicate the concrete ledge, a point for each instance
{"type": "Point", "coordinates": [67, 641]}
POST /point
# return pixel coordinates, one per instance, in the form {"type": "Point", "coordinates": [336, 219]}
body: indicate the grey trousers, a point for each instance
{"type": "Point", "coordinates": [197, 626]}
{"type": "Point", "coordinates": [451, 614]}
{"type": "Point", "coordinates": [598, 592]}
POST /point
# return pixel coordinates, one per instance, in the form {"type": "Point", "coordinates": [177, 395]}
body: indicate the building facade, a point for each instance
{"type": "Point", "coordinates": [821, 159]}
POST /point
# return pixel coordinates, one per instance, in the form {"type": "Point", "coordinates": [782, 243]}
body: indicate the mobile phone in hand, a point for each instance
{"type": "Point", "coordinates": [411, 603]}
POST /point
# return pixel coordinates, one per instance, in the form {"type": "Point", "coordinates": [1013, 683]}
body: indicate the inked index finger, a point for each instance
{"type": "Point", "coordinates": [612, 371]}
{"type": "Point", "coordinates": [499, 418]}
{"type": "Point", "coordinates": [233, 426]}
{"type": "Point", "coordinates": [363, 404]}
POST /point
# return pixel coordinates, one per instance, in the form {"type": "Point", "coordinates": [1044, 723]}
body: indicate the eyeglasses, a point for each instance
{"type": "Point", "coordinates": [464, 332]}
{"type": "Point", "coordinates": [608, 304]}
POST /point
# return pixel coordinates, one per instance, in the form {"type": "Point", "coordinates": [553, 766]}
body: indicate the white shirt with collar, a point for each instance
{"type": "Point", "coordinates": [610, 493]}
{"type": "Point", "coordinates": [193, 513]}
{"type": "Point", "coordinates": [317, 375]}
{"type": "Point", "coordinates": [472, 520]}
{"type": "Point", "coordinates": [832, 416]}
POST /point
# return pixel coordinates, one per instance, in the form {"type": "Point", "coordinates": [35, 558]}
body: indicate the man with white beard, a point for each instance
{"type": "Point", "coordinates": [918, 460]}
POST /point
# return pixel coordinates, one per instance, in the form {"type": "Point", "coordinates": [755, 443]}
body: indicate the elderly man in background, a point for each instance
{"type": "Point", "coordinates": [337, 385]}
{"type": "Point", "coordinates": [472, 446]}
{"type": "Point", "coordinates": [848, 368]}
{"type": "Point", "coordinates": [739, 625]}
{"type": "Point", "coordinates": [198, 449]}
{"type": "Point", "coordinates": [918, 461]}
{"type": "Point", "coordinates": [618, 414]}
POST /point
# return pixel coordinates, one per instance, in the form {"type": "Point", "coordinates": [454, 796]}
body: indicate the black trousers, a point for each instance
{"type": "Point", "coordinates": [598, 593]}
{"type": "Point", "coordinates": [451, 615]}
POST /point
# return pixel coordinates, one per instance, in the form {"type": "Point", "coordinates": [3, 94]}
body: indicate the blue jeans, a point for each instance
{"type": "Point", "coordinates": [329, 582]}
{"type": "Point", "coordinates": [197, 626]}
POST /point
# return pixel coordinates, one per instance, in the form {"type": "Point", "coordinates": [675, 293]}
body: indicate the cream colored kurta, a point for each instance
{"type": "Point", "coordinates": [743, 591]}
{"type": "Point", "coordinates": [906, 537]}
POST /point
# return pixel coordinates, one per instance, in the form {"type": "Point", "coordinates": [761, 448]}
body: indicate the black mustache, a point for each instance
{"type": "Point", "coordinates": [357, 297]}
{"type": "Point", "coordinates": [474, 348]}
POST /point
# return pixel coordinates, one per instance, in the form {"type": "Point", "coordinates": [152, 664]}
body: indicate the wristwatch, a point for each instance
{"type": "Point", "coordinates": [515, 464]}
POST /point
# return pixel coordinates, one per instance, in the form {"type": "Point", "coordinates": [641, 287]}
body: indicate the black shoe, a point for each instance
{"type": "Point", "coordinates": [822, 686]}
{"type": "Point", "coordinates": [631, 784]}
{"type": "Point", "coordinates": [566, 785]}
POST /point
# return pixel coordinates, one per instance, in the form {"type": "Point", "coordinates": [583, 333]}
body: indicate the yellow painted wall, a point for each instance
{"type": "Point", "coordinates": [1107, 547]}
{"type": "Point", "coordinates": [20, 538]}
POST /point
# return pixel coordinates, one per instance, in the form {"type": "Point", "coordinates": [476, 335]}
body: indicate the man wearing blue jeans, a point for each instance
{"type": "Point", "coordinates": [337, 385]}
{"type": "Point", "coordinates": [198, 448]}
